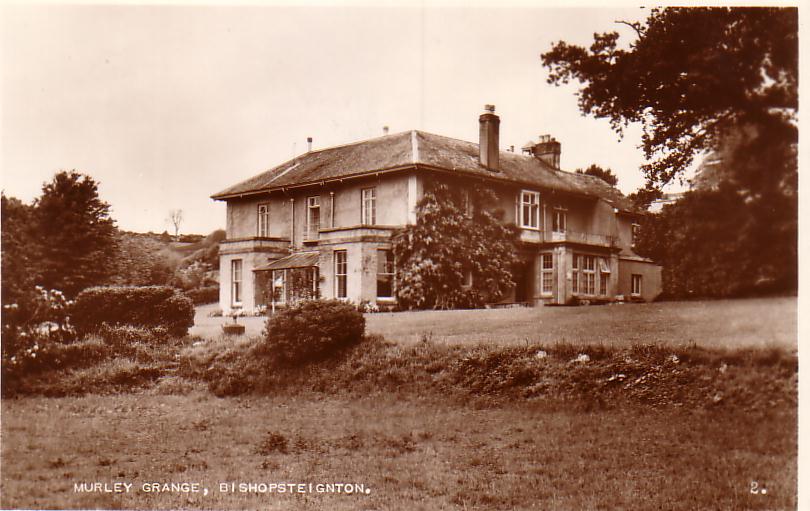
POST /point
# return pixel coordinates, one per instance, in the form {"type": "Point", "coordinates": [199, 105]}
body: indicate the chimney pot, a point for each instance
{"type": "Point", "coordinates": [548, 150]}
{"type": "Point", "coordinates": [309, 144]}
{"type": "Point", "coordinates": [385, 130]}
{"type": "Point", "coordinates": [488, 135]}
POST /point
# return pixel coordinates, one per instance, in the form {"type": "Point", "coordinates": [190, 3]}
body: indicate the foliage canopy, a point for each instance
{"type": "Point", "coordinates": [605, 175]}
{"type": "Point", "coordinates": [691, 75]}
{"type": "Point", "coordinates": [458, 254]}
{"type": "Point", "coordinates": [75, 233]}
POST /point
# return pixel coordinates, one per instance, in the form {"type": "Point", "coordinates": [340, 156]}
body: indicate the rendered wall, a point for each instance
{"type": "Point", "coordinates": [393, 205]}
{"type": "Point", "coordinates": [650, 274]}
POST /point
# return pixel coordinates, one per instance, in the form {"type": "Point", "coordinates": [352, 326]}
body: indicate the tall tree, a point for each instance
{"type": "Point", "coordinates": [75, 232]}
{"type": "Point", "coordinates": [690, 76]}
{"type": "Point", "coordinates": [19, 250]}
{"type": "Point", "coordinates": [605, 175]}
{"type": "Point", "coordinates": [722, 81]}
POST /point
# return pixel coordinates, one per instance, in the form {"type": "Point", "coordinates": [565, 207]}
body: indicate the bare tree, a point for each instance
{"type": "Point", "coordinates": [176, 217]}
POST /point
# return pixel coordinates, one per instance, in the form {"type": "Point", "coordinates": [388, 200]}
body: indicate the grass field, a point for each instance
{"type": "Point", "coordinates": [756, 322]}
{"type": "Point", "coordinates": [411, 453]}
{"type": "Point", "coordinates": [681, 405]}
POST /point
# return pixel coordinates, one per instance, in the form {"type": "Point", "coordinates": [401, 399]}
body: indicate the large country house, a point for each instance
{"type": "Point", "coordinates": [322, 222]}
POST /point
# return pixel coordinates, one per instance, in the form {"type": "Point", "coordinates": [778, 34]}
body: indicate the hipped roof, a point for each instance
{"type": "Point", "coordinates": [411, 149]}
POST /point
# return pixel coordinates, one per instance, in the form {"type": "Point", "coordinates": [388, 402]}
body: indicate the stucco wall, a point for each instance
{"type": "Point", "coordinates": [250, 260]}
{"type": "Point", "coordinates": [650, 274]}
{"type": "Point", "coordinates": [393, 205]}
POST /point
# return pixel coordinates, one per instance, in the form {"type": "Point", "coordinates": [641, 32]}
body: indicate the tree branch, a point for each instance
{"type": "Point", "coordinates": [634, 25]}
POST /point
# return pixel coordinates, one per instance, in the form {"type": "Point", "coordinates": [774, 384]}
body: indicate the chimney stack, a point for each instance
{"type": "Point", "coordinates": [309, 144]}
{"type": "Point", "coordinates": [488, 134]}
{"type": "Point", "coordinates": [547, 149]}
{"type": "Point", "coordinates": [385, 130]}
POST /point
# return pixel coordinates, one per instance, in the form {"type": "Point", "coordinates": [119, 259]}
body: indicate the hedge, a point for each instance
{"type": "Point", "coordinates": [204, 295]}
{"type": "Point", "coordinates": [148, 306]}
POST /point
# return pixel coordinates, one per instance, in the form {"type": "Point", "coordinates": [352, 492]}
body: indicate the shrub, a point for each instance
{"type": "Point", "coordinates": [149, 306]}
{"type": "Point", "coordinates": [128, 335]}
{"type": "Point", "coordinates": [204, 295]}
{"type": "Point", "coordinates": [312, 330]}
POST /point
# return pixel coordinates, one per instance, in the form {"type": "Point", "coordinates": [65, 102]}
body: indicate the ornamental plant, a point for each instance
{"type": "Point", "coordinates": [459, 253]}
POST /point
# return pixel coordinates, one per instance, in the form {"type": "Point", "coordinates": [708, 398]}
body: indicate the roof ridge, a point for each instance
{"type": "Point", "coordinates": [348, 144]}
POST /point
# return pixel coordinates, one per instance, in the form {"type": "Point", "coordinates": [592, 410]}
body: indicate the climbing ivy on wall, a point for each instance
{"type": "Point", "coordinates": [459, 253]}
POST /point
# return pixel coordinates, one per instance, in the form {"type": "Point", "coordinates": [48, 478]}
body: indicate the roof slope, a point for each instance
{"type": "Point", "coordinates": [411, 148]}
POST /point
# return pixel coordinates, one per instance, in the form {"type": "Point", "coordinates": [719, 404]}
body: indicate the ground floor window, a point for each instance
{"type": "Point", "coordinates": [340, 274]}
{"type": "Point", "coordinates": [583, 274]}
{"type": "Point", "coordinates": [279, 286]}
{"type": "Point", "coordinates": [236, 282]}
{"type": "Point", "coordinates": [547, 273]}
{"type": "Point", "coordinates": [385, 274]}
{"type": "Point", "coordinates": [635, 285]}
{"type": "Point", "coordinates": [604, 276]}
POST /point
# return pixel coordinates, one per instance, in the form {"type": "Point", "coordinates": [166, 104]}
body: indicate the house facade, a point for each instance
{"type": "Point", "coordinates": [321, 223]}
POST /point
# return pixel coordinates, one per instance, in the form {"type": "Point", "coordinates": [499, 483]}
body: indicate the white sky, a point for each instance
{"type": "Point", "coordinates": [166, 105]}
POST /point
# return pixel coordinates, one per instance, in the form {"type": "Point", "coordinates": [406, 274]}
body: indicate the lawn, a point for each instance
{"type": "Point", "coordinates": [750, 323]}
{"type": "Point", "coordinates": [674, 405]}
{"type": "Point", "coordinates": [410, 452]}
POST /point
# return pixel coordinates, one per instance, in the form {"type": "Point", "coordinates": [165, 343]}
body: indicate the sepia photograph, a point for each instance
{"type": "Point", "coordinates": [407, 255]}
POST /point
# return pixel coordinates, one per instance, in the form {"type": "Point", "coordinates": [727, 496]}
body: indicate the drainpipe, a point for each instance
{"type": "Point", "coordinates": [292, 223]}
{"type": "Point", "coordinates": [332, 209]}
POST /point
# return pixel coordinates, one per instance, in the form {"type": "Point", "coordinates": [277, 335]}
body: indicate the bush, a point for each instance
{"type": "Point", "coordinates": [149, 307]}
{"type": "Point", "coordinates": [128, 335]}
{"type": "Point", "coordinates": [312, 330]}
{"type": "Point", "coordinates": [204, 295]}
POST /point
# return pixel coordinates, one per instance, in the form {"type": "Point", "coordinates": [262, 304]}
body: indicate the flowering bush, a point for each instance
{"type": "Point", "coordinates": [40, 318]}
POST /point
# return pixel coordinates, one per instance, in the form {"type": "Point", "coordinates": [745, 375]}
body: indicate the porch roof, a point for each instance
{"type": "Point", "coordinates": [296, 260]}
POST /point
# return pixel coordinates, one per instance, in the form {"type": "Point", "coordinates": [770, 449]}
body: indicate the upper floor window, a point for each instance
{"type": "Point", "coordinates": [385, 274]}
{"type": "Point", "coordinates": [263, 220]}
{"type": "Point", "coordinates": [313, 218]}
{"type": "Point", "coordinates": [236, 282]}
{"type": "Point", "coordinates": [341, 274]}
{"type": "Point", "coordinates": [529, 210]}
{"type": "Point", "coordinates": [634, 231]}
{"type": "Point", "coordinates": [368, 206]}
{"type": "Point", "coordinates": [560, 220]}
{"type": "Point", "coordinates": [467, 203]}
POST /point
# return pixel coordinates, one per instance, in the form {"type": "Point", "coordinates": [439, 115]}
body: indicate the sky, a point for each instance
{"type": "Point", "coordinates": [166, 105]}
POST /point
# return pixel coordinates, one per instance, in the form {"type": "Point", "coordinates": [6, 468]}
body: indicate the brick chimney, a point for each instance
{"type": "Point", "coordinates": [488, 134]}
{"type": "Point", "coordinates": [547, 149]}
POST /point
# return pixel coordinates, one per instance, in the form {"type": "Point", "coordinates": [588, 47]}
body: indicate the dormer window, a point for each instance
{"type": "Point", "coordinates": [529, 209]}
